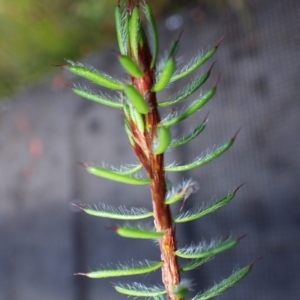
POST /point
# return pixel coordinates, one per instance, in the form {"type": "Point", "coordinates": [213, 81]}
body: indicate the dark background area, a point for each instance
{"type": "Point", "coordinates": [45, 130]}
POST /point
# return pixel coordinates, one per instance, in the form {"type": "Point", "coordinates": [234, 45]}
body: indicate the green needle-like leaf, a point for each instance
{"type": "Point", "coordinates": [129, 133]}
{"type": "Point", "coordinates": [195, 263]}
{"type": "Point", "coordinates": [116, 176]}
{"type": "Point", "coordinates": [125, 270]}
{"type": "Point", "coordinates": [195, 63]}
{"type": "Point", "coordinates": [125, 170]}
{"type": "Point", "coordinates": [189, 137]}
{"type": "Point", "coordinates": [90, 95]}
{"type": "Point", "coordinates": [153, 33]}
{"type": "Point", "coordinates": [134, 31]}
{"type": "Point", "coordinates": [140, 290]}
{"type": "Point", "coordinates": [138, 233]}
{"type": "Point", "coordinates": [93, 75]}
{"type": "Point", "coordinates": [137, 118]}
{"type": "Point", "coordinates": [203, 249]}
{"type": "Point", "coordinates": [117, 213]}
{"type": "Point", "coordinates": [188, 90]}
{"type": "Point", "coordinates": [120, 30]}
{"type": "Point", "coordinates": [191, 215]}
{"type": "Point", "coordinates": [163, 140]}
{"type": "Point", "coordinates": [165, 75]}
{"type": "Point", "coordinates": [130, 66]}
{"type": "Point", "coordinates": [175, 47]}
{"type": "Point", "coordinates": [193, 108]}
{"type": "Point", "coordinates": [135, 97]}
{"type": "Point", "coordinates": [224, 284]}
{"type": "Point", "coordinates": [203, 159]}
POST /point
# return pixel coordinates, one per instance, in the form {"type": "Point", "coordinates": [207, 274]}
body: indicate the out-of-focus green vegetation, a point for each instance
{"type": "Point", "coordinates": [36, 34]}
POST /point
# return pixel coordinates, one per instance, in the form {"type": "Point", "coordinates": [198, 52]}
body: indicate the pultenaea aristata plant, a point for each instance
{"type": "Point", "coordinates": [150, 137]}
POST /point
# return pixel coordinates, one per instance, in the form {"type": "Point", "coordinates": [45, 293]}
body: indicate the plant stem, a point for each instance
{"type": "Point", "coordinates": [162, 212]}
{"type": "Point", "coordinates": [163, 219]}
{"type": "Point", "coordinates": [162, 215]}
{"type": "Point", "coordinates": [154, 165]}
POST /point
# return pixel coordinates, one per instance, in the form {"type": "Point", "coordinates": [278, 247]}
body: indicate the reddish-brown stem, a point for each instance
{"type": "Point", "coordinates": [154, 165]}
{"type": "Point", "coordinates": [162, 212]}
{"type": "Point", "coordinates": [163, 222]}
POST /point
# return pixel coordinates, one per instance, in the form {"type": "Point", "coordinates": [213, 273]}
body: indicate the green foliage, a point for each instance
{"type": "Point", "coordinates": [119, 213]}
{"type": "Point", "coordinates": [194, 214]}
{"type": "Point", "coordinates": [138, 233]}
{"type": "Point", "coordinates": [116, 176]}
{"type": "Point", "coordinates": [150, 138]}
{"type": "Point", "coordinates": [225, 284]}
{"type": "Point", "coordinates": [165, 75]}
{"type": "Point", "coordinates": [97, 97]}
{"type": "Point", "coordinates": [139, 290]}
{"type": "Point", "coordinates": [203, 249]}
{"type": "Point", "coordinates": [95, 76]}
{"type": "Point", "coordinates": [136, 99]}
{"type": "Point", "coordinates": [35, 34]}
{"type": "Point", "coordinates": [141, 267]}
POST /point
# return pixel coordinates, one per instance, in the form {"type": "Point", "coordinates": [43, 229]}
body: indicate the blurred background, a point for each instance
{"type": "Point", "coordinates": [45, 130]}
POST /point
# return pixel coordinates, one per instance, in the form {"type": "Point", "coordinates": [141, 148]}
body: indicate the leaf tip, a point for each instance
{"type": "Point", "coordinates": [69, 86]}
{"type": "Point", "coordinates": [85, 165]}
{"type": "Point", "coordinates": [242, 236]}
{"type": "Point", "coordinates": [255, 261]}
{"type": "Point", "coordinates": [211, 67]}
{"type": "Point", "coordinates": [206, 118]}
{"type": "Point", "coordinates": [220, 41]}
{"type": "Point", "coordinates": [78, 206]}
{"type": "Point", "coordinates": [235, 135]}
{"type": "Point", "coordinates": [81, 274]}
{"type": "Point", "coordinates": [114, 228]}
{"type": "Point", "coordinates": [234, 192]}
{"type": "Point", "coordinates": [217, 81]}
{"type": "Point", "coordinates": [180, 34]}
{"type": "Point", "coordinates": [60, 66]}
